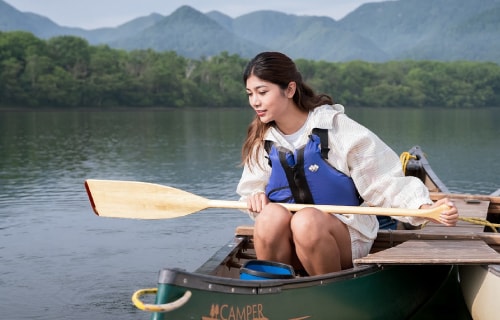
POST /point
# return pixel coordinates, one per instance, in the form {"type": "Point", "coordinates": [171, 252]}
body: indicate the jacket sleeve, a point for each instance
{"type": "Point", "coordinates": [254, 179]}
{"type": "Point", "coordinates": [376, 170]}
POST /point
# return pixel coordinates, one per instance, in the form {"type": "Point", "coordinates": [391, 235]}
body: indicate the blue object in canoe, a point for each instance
{"type": "Point", "coordinates": [266, 270]}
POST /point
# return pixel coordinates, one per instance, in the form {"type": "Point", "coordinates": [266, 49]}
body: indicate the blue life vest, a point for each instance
{"type": "Point", "coordinates": [304, 176]}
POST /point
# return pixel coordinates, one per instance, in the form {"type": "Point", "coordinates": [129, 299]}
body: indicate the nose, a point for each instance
{"type": "Point", "coordinates": [254, 101]}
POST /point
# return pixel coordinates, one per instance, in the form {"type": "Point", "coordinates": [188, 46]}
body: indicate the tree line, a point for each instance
{"type": "Point", "coordinates": [66, 72]}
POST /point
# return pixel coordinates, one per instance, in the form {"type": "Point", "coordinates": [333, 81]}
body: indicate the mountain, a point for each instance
{"type": "Point", "coordinates": [392, 30]}
{"type": "Point", "coordinates": [426, 29]}
{"type": "Point", "coordinates": [12, 19]}
{"type": "Point", "coordinates": [317, 38]}
{"type": "Point", "coordinates": [222, 19]}
{"type": "Point", "coordinates": [131, 28]}
{"type": "Point", "coordinates": [190, 33]}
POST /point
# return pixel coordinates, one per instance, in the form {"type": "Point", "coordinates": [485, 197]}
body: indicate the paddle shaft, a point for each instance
{"type": "Point", "coordinates": [423, 213]}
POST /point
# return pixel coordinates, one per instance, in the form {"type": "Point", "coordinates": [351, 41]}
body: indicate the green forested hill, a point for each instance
{"type": "Point", "coordinates": [66, 72]}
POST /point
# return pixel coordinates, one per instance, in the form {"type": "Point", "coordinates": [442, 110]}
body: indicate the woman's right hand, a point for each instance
{"type": "Point", "coordinates": [256, 201]}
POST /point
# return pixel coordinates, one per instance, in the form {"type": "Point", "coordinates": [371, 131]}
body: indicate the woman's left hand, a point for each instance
{"type": "Point", "coordinates": [448, 217]}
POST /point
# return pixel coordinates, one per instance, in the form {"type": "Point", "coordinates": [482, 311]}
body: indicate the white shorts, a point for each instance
{"type": "Point", "coordinates": [360, 245]}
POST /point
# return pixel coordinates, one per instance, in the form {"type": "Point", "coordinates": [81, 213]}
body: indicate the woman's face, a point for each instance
{"type": "Point", "coordinates": [269, 101]}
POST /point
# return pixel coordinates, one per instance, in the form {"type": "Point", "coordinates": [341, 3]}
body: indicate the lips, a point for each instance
{"type": "Point", "coordinates": [260, 113]}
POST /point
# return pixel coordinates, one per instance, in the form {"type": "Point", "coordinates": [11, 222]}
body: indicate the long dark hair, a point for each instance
{"type": "Point", "coordinates": [277, 68]}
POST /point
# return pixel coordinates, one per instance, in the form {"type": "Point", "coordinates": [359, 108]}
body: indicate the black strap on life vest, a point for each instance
{"type": "Point", "coordinates": [267, 146]}
{"type": "Point", "coordinates": [323, 140]}
{"type": "Point", "coordinates": [296, 177]}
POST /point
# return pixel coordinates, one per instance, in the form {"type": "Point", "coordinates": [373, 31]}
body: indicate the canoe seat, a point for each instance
{"type": "Point", "coordinates": [246, 231]}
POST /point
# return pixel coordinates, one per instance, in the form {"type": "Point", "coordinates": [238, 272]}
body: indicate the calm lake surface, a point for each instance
{"type": "Point", "coordinates": [60, 261]}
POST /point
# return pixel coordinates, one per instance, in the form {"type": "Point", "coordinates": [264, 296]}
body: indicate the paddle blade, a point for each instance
{"type": "Point", "coordinates": [141, 200]}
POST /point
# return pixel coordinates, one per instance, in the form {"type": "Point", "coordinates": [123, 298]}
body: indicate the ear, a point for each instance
{"type": "Point", "coordinates": [290, 90]}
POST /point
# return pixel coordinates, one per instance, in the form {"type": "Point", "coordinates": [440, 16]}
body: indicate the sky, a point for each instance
{"type": "Point", "coordinates": [91, 14]}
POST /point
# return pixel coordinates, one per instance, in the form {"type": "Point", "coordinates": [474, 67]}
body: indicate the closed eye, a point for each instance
{"type": "Point", "coordinates": [249, 93]}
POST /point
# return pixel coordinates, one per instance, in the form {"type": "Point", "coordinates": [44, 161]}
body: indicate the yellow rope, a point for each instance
{"type": "Point", "coordinates": [405, 157]}
{"type": "Point", "coordinates": [167, 307]}
{"type": "Point", "coordinates": [481, 221]}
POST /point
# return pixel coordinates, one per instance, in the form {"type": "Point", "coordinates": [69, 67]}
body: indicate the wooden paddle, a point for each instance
{"type": "Point", "coordinates": [142, 200]}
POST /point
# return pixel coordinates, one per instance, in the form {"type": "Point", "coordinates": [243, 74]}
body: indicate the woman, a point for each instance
{"type": "Point", "coordinates": [302, 148]}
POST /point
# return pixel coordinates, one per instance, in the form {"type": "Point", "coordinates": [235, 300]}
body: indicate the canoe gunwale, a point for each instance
{"type": "Point", "coordinates": [429, 172]}
{"type": "Point", "coordinates": [223, 255]}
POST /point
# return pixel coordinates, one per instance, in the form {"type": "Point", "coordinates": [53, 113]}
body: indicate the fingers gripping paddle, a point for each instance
{"type": "Point", "coordinates": [142, 200]}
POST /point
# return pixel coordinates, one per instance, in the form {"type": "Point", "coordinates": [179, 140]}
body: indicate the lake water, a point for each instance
{"type": "Point", "coordinates": [60, 261]}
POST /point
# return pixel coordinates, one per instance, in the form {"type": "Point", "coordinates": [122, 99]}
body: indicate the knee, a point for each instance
{"type": "Point", "coordinates": [306, 224]}
{"type": "Point", "coordinates": [305, 219]}
{"type": "Point", "coordinates": [273, 218]}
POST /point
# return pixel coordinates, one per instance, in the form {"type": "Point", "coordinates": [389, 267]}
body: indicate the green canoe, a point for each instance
{"type": "Point", "coordinates": [367, 292]}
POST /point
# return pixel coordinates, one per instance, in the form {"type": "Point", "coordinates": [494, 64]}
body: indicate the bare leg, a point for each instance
{"type": "Point", "coordinates": [272, 234]}
{"type": "Point", "coordinates": [322, 241]}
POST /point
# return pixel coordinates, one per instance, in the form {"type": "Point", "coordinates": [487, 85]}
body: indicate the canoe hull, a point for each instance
{"type": "Point", "coordinates": [395, 292]}
{"type": "Point", "coordinates": [480, 287]}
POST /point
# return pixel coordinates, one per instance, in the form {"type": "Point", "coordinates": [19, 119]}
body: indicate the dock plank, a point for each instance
{"type": "Point", "coordinates": [435, 252]}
